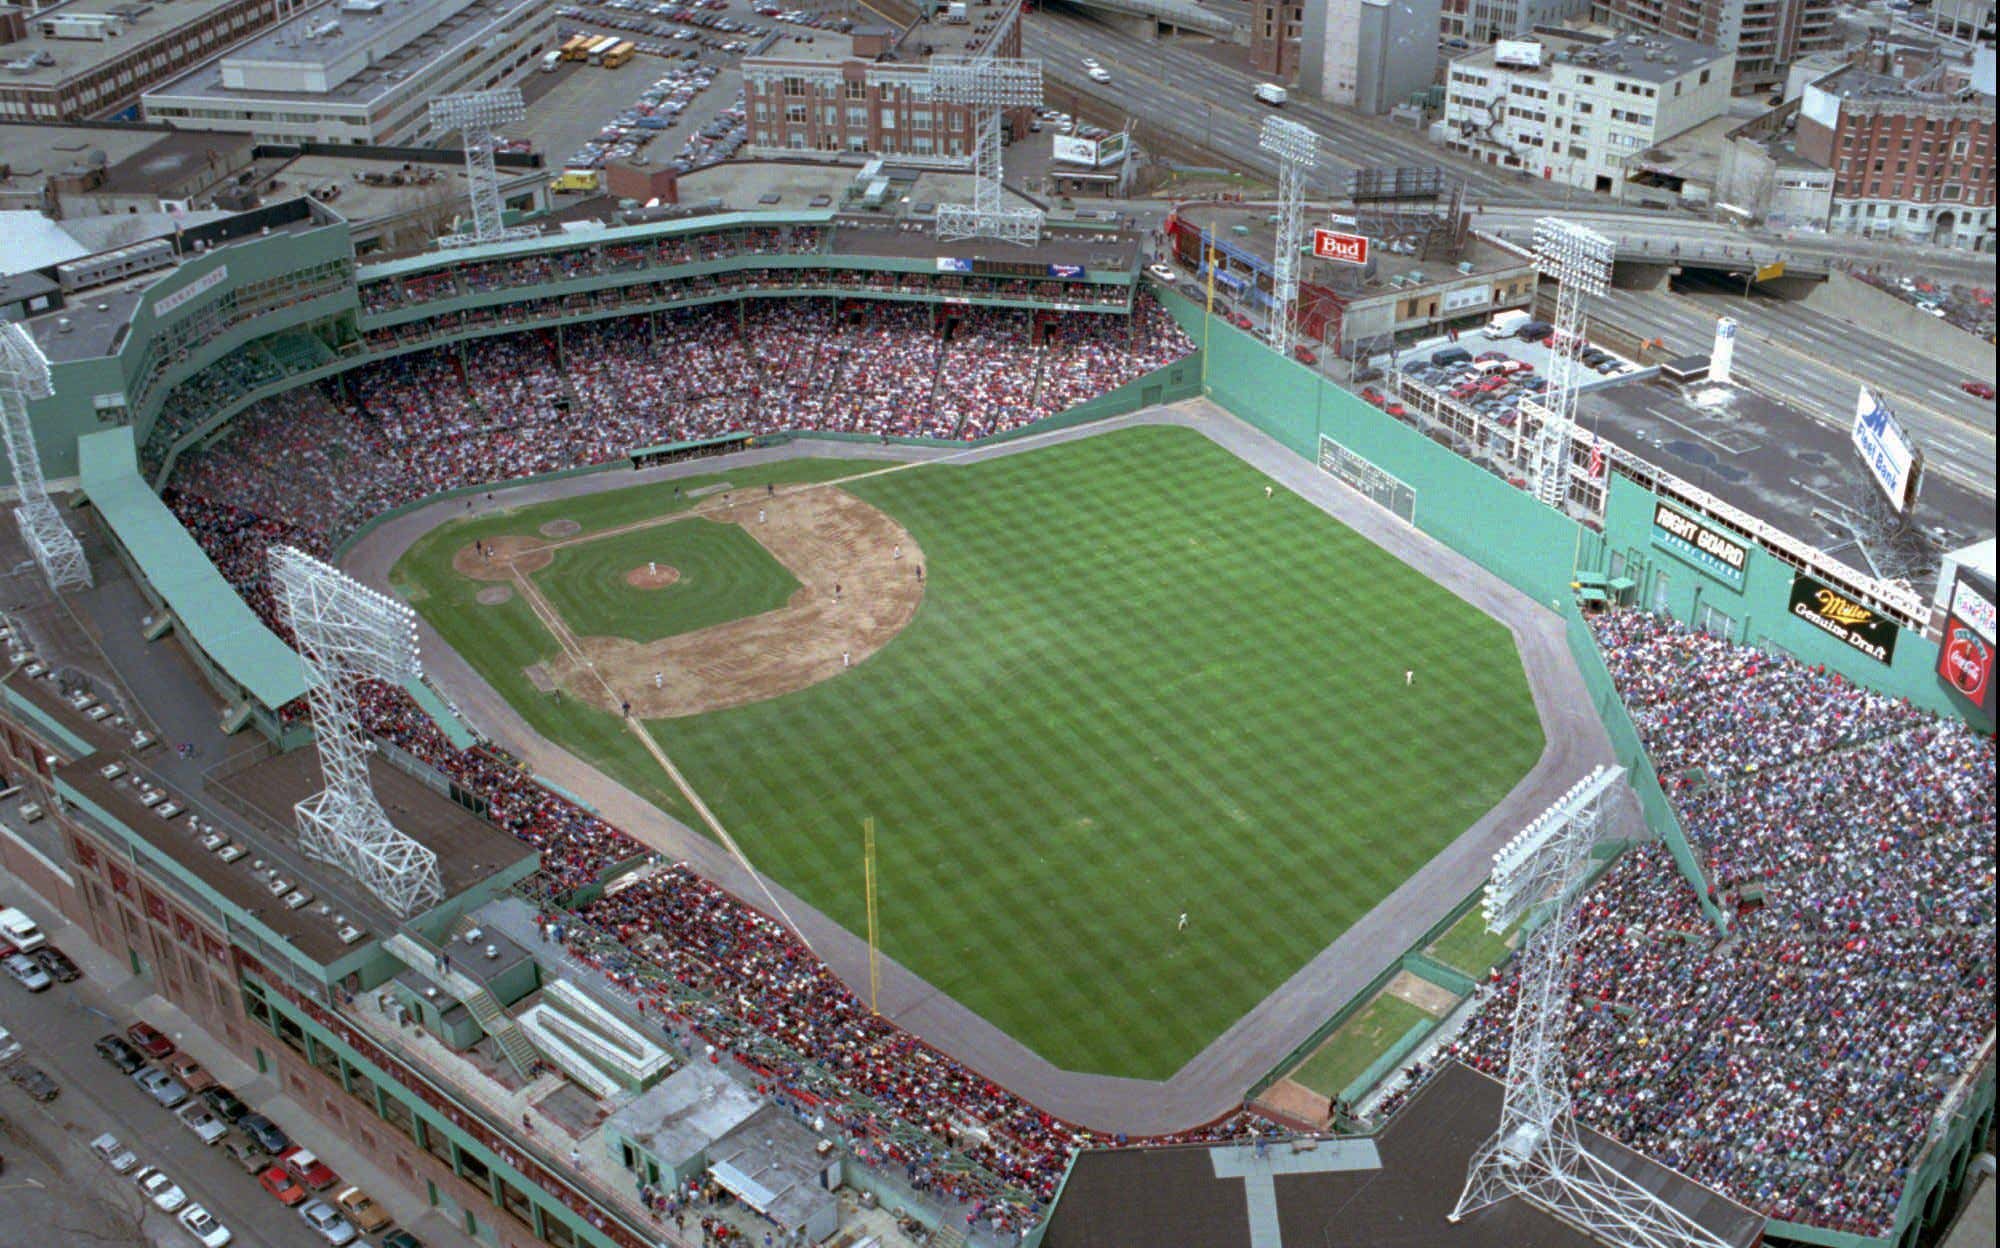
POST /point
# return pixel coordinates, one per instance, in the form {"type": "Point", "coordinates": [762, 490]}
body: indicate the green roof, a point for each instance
{"type": "Point", "coordinates": [206, 605]}
{"type": "Point", "coordinates": [566, 240]}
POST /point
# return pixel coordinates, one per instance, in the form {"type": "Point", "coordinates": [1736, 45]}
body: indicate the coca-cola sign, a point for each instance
{"type": "Point", "coordinates": [1965, 662]}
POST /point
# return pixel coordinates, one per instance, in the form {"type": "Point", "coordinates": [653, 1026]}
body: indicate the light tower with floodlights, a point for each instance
{"type": "Point", "coordinates": [24, 377]}
{"type": "Point", "coordinates": [1579, 259]}
{"type": "Point", "coordinates": [346, 632]}
{"type": "Point", "coordinates": [988, 86]}
{"type": "Point", "coordinates": [1536, 1154]}
{"type": "Point", "coordinates": [1297, 150]}
{"type": "Point", "coordinates": [478, 116]}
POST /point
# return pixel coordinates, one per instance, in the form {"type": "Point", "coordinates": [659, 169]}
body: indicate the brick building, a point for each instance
{"type": "Point", "coordinates": [868, 91]}
{"type": "Point", "coordinates": [1275, 30]}
{"type": "Point", "coordinates": [1912, 157]}
{"type": "Point", "coordinates": [1765, 35]}
{"type": "Point", "coordinates": [70, 62]}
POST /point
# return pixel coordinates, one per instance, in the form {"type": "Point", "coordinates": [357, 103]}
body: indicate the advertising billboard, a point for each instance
{"type": "Point", "coordinates": [1343, 248]}
{"type": "Point", "coordinates": [1708, 548]}
{"type": "Point", "coordinates": [1841, 617]}
{"type": "Point", "coordinates": [1073, 149]}
{"type": "Point", "coordinates": [1965, 654]}
{"type": "Point", "coordinates": [1886, 451]}
{"type": "Point", "coordinates": [954, 264]}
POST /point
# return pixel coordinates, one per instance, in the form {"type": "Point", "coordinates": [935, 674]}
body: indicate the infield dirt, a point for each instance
{"type": "Point", "coordinates": [858, 587]}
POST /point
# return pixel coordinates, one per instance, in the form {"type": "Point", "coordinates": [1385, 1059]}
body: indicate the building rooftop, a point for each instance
{"type": "Point", "coordinates": [38, 60]}
{"type": "Point", "coordinates": [770, 1164]}
{"type": "Point", "coordinates": [1257, 238]}
{"type": "Point", "coordinates": [1643, 58]}
{"type": "Point", "coordinates": [353, 54]}
{"type": "Point", "coordinates": [921, 41]}
{"type": "Point", "coordinates": [90, 328]}
{"type": "Point", "coordinates": [1944, 84]}
{"type": "Point", "coordinates": [31, 151]}
{"type": "Point", "coordinates": [174, 161]}
{"type": "Point", "coordinates": [1391, 1188]}
{"type": "Point", "coordinates": [684, 1113]}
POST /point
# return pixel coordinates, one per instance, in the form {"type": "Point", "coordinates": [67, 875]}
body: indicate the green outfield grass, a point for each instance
{"type": "Point", "coordinates": [1469, 947]}
{"type": "Point", "coordinates": [1352, 1048]}
{"type": "Point", "coordinates": [726, 574]}
{"type": "Point", "coordinates": [1135, 687]}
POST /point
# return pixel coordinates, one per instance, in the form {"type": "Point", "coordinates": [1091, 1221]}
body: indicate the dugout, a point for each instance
{"type": "Point", "coordinates": [675, 452]}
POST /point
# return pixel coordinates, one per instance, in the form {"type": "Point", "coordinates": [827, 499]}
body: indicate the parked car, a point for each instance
{"type": "Point", "coordinates": [201, 1224]}
{"type": "Point", "coordinates": [1977, 389]}
{"type": "Point", "coordinates": [149, 1040]}
{"type": "Point", "coordinates": [120, 1054]}
{"type": "Point", "coordinates": [224, 1102]}
{"type": "Point", "coordinates": [28, 973]}
{"type": "Point", "coordinates": [1305, 355]}
{"type": "Point", "coordinates": [1165, 272]}
{"type": "Point", "coordinates": [401, 1239]}
{"type": "Point", "coordinates": [265, 1132]}
{"type": "Point", "coordinates": [282, 1185]}
{"type": "Point", "coordinates": [326, 1221]}
{"type": "Point", "coordinates": [161, 1086]}
{"type": "Point", "coordinates": [57, 964]}
{"type": "Point", "coordinates": [34, 1081]}
{"type": "Point", "coordinates": [307, 1168]}
{"type": "Point", "coordinates": [113, 1154]}
{"type": "Point", "coordinates": [190, 1073]}
{"type": "Point", "coordinates": [249, 1158]}
{"type": "Point", "coordinates": [360, 1208]}
{"type": "Point", "coordinates": [165, 1194]}
{"type": "Point", "coordinates": [206, 1126]}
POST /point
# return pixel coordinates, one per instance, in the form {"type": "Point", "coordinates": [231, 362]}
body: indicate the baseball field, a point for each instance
{"type": "Point", "coordinates": [1082, 690]}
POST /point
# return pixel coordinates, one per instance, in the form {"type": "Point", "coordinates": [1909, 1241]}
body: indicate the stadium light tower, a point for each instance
{"type": "Point", "coordinates": [1297, 150]}
{"type": "Point", "coordinates": [478, 115]}
{"type": "Point", "coordinates": [988, 86]}
{"type": "Point", "coordinates": [1535, 1154]}
{"type": "Point", "coordinates": [24, 377]}
{"type": "Point", "coordinates": [1579, 259]}
{"type": "Point", "coordinates": [347, 632]}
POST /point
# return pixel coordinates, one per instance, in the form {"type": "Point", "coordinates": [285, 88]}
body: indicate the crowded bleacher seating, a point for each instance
{"type": "Point", "coordinates": [1796, 1061]}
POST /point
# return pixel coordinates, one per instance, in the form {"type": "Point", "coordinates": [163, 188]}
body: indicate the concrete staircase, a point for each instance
{"type": "Point", "coordinates": [424, 957]}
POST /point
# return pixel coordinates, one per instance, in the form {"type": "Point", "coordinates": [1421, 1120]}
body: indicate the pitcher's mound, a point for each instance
{"type": "Point", "coordinates": [657, 576]}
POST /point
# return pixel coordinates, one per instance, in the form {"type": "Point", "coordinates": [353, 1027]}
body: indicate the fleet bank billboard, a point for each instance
{"type": "Point", "coordinates": [1886, 451]}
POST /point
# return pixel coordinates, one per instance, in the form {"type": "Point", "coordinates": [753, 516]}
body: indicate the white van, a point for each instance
{"type": "Point", "coordinates": [19, 930]}
{"type": "Point", "coordinates": [1506, 324]}
{"type": "Point", "coordinates": [1273, 94]}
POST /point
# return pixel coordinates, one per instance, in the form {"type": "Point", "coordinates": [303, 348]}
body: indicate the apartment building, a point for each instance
{"type": "Point", "coordinates": [1575, 107]}
{"type": "Point", "coordinates": [1911, 156]}
{"type": "Point", "coordinates": [1276, 27]}
{"type": "Point", "coordinates": [1479, 22]}
{"type": "Point", "coordinates": [1764, 35]}
{"type": "Point", "coordinates": [90, 58]}
{"type": "Point", "coordinates": [869, 91]}
{"type": "Point", "coordinates": [359, 71]}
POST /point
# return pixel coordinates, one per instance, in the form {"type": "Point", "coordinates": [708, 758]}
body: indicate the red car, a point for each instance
{"type": "Point", "coordinates": [1977, 389]}
{"type": "Point", "coordinates": [147, 1039]}
{"type": "Point", "coordinates": [1396, 409]}
{"type": "Point", "coordinates": [1491, 355]}
{"type": "Point", "coordinates": [281, 1185]}
{"type": "Point", "coordinates": [1516, 366]}
{"type": "Point", "coordinates": [1304, 355]}
{"type": "Point", "coordinates": [1243, 322]}
{"type": "Point", "coordinates": [1372, 395]}
{"type": "Point", "coordinates": [308, 1169]}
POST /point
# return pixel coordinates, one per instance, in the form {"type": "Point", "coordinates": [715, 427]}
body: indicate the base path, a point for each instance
{"type": "Point", "coordinates": [1213, 1082]}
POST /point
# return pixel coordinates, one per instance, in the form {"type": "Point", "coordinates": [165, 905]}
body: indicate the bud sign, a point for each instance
{"type": "Point", "coordinates": [1344, 248]}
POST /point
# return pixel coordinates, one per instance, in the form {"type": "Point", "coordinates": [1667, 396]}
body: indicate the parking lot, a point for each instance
{"type": "Point", "coordinates": [53, 1179]}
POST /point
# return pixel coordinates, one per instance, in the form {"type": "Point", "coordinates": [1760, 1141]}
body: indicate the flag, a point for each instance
{"type": "Point", "coordinates": [1596, 458]}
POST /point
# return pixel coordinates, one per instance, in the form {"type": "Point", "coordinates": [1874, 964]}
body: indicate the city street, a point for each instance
{"type": "Point", "coordinates": [53, 1181]}
{"type": "Point", "coordinates": [1818, 364]}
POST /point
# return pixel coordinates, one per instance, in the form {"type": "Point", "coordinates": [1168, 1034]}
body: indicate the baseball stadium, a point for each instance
{"type": "Point", "coordinates": [1010, 729]}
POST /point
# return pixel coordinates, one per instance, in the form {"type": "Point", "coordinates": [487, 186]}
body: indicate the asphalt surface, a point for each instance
{"type": "Point", "coordinates": [1168, 85]}
{"type": "Point", "coordinates": [1212, 1083]}
{"type": "Point", "coordinates": [1817, 364]}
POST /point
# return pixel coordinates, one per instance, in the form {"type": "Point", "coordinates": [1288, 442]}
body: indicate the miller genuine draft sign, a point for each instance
{"type": "Point", "coordinates": [1840, 616]}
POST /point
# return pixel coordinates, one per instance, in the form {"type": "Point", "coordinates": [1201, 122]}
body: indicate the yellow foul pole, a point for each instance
{"type": "Point", "coordinates": [868, 871]}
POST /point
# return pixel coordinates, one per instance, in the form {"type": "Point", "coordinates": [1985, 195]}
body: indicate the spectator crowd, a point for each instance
{"type": "Point", "coordinates": [310, 467]}
{"type": "Point", "coordinates": [1796, 1061]}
